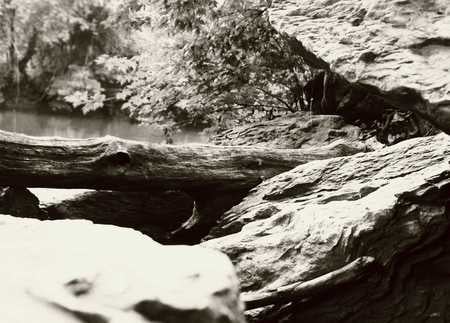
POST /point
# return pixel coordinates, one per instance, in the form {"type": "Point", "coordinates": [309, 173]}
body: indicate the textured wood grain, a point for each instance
{"type": "Point", "coordinates": [117, 164]}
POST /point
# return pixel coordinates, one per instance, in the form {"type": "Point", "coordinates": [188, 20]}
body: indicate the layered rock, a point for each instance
{"type": "Point", "coordinates": [383, 43]}
{"type": "Point", "coordinates": [75, 271]}
{"type": "Point", "coordinates": [298, 130]}
{"type": "Point", "coordinates": [390, 205]}
{"type": "Point", "coordinates": [387, 62]}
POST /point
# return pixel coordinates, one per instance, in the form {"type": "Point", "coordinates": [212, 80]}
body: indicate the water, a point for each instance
{"type": "Point", "coordinates": [72, 126]}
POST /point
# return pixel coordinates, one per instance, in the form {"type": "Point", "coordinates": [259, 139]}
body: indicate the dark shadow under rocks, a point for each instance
{"type": "Point", "coordinates": [154, 214]}
{"type": "Point", "coordinates": [20, 202]}
{"type": "Point", "coordinates": [171, 217]}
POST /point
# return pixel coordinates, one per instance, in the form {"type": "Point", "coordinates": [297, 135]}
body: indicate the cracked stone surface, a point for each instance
{"type": "Point", "coordinates": [380, 42]}
{"type": "Point", "coordinates": [74, 271]}
{"type": "Point", "coordinates": [324, 214]}
{"type": "Point", "coordinates": [297, 130]}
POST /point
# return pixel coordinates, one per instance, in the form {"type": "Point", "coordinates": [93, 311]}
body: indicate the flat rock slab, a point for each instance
{"type": "Point", "coordinates": [383, 43]}
{"type": "Point", "coordinates": [298, 130]}
{"type": "Point", "coordinates": [75, 271]}
{"type": "Point", "coordinates": [322, 215]}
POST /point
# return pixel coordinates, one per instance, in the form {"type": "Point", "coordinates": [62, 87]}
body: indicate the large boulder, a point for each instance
{"type": "Point", "coordinates": [75, 271]}
{"type": "Point", "coordinates": [391, 205]}
{"type": "Point", "coordinates": [383, 43]}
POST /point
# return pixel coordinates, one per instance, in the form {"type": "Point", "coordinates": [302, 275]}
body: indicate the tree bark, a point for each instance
{"type": "Point", "coordinates": [114, 164]}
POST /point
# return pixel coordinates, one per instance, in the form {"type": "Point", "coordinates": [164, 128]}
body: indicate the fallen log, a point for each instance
{"type": "Point", "coordinates": [111, 163]}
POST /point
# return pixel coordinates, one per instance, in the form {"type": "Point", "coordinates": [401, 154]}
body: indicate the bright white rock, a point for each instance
{"type": "Point", "coordinates": [75, 271]}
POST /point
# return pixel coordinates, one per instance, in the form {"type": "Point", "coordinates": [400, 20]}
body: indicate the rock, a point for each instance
{"type": "Point", "coordinates": [20, 202]}
{"type": "Point", "coordinates": [393, 116]}
{"type": "Point", "coordinates": [391, 204]}
{"type": "Point", "coordinates": [231, 5]}
{"type": "Point", "coordinates": [298, 130]}
{"type": "Point", "coordinates": [155, 214]}
{"type": "Point", "coordinates": [382, 62]}
{"type": "Point", "coordinates": [75, 271]}
{"type": "Point", "coordinates": [382, 43]}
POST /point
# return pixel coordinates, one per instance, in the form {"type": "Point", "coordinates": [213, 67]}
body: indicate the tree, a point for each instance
{"type": "Point", "coordinates": [172, 62]}
{"type": "Point", "coordinates": [43, 38]}
{"type": "Point", "coordinates": [207, 65]}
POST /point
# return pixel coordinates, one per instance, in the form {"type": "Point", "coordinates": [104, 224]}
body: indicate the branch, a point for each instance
{"type": "Point", "coordinates": [320, 285]}
{"type": "Point", "coordinates": [276, 98]}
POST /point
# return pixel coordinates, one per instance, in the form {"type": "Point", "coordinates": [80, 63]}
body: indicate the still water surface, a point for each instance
{"type": "Point", "coordinates": [40, 124]}
{"type": "Point", "coordinates": [70, 126]}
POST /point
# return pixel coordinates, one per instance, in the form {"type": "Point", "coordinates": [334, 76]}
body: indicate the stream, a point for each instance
{"type": "Point", "coordinates": [75, 126]}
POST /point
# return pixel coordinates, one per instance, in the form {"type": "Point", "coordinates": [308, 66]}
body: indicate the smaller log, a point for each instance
{"type": "Point", "coordinates": [320, 285]}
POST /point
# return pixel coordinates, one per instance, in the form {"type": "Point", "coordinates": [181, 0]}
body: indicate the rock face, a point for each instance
{"type": "Point", "coordinates": [75, 271]}
{"type": "Point", "coordinates": [383, 43]}
{"type": "Point", "coordinates": [298, 130]}
{"type": "Point", "coordinates": [392, 205]}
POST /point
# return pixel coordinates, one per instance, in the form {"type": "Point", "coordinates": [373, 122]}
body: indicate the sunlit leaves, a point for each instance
{"type": "Point", "coordinates": [79, 88]}
{"type": "Point", "coordinates": [69, 32]}
{"type": "Point", "coordinates": [184, 61]}
{"type": "Point", "coordinates": [208, 65]}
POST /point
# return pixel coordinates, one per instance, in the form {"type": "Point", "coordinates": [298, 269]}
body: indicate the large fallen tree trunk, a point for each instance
{"type": "Point", "coordinates": [116, 164]}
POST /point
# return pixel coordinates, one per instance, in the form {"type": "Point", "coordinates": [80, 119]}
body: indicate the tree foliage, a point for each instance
{"type": "Point", "coordinates": [202, 64]}
{"type": "Point", "coordinates": [45, 39]}
{"type": "Point", "coordinates": [196, 62]}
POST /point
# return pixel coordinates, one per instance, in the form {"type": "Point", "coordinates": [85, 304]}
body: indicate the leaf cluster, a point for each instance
{"type": "Point", "coordinates": [203, 65]}
{"type": "Point", "coordinates": [51, 36]}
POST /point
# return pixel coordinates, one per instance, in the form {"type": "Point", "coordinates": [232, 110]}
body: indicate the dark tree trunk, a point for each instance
{"type": "Point", "coordinates": [31, 50]}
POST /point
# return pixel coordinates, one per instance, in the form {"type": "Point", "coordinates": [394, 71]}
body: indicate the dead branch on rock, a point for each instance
{"type": "Point", "coordinates": [322, 284]}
